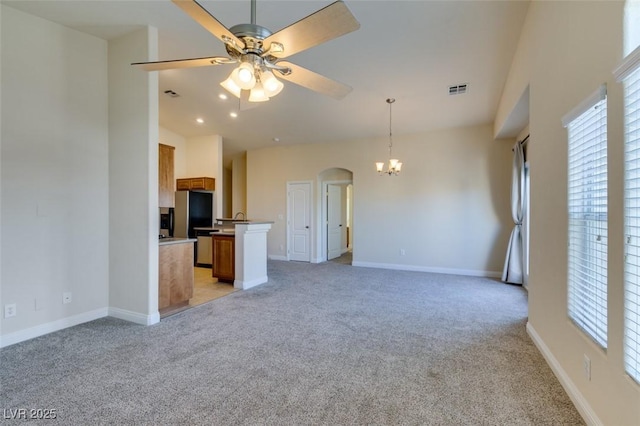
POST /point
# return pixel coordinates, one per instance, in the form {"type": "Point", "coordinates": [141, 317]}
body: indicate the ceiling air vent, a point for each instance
{"type": "Point", "coordinates": [171, 93]}
{"type": "Point", "coordinates": [458, 89]}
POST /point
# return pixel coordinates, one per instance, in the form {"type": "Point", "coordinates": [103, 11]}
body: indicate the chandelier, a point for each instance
{"type": "Point", "coordinates": [395, 165]}
{"type": "Point", "coordinates": [252, 75]}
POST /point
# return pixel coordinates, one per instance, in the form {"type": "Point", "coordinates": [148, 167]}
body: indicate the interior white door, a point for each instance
{"type": "Point", "coordinates": [299, 220]}
{"type": "Point", "coordinates": [334, 221]}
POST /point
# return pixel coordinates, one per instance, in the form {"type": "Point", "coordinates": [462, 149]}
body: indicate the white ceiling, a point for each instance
{"type": "Point", "coordinates": [409, 50]}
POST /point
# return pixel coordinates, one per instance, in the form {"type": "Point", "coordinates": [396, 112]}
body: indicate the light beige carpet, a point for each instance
{"type": "Point", "coordinates": [319, 344]}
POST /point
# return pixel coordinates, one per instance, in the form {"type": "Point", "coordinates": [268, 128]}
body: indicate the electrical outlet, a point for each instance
{"type": "Point", "coordinates": [66, 297]}
{"type": "Point", "coordinates": [586, 367]}
{"type": "Point", "coordinates": [402, 252]}
{"type": "Point", "coordinates": [10, 310]}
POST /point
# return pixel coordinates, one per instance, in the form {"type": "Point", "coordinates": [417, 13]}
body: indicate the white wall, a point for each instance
{"type": "Point", "coordinates": [54, 181]}
{"type": "Point", "coordinates": [204, 158]}
{"type": "Point", "coordinates": [568, 49]}
{"type": "Point", "coordinates": [239, 184]}
{"type": "Point", "coordinates": [167, 137]}
{"type": "Point", "coordinates": [449, 209]}
{"type": "Point", "coordinates": [133, 179]}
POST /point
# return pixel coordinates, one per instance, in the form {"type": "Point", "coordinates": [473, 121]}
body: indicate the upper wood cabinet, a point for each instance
{"type": "Point", "coordinates": [199, 183]}
{"type": "Point", "coordinates": [165, 176]}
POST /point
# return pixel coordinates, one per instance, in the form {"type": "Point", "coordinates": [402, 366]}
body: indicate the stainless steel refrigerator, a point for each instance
{"type": "Point", "coordinates": [194, 209]}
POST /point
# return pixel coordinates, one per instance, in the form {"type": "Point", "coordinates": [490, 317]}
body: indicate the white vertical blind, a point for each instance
{"type": "Point", "coordinates": [630, 74]}
{"type": "Point", "coordinates": [587, 210]}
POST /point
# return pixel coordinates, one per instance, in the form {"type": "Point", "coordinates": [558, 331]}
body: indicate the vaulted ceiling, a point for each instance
{"type": "Point", "coordinates": [410, 50]}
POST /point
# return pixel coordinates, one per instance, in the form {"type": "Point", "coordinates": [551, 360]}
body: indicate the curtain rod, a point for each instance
{"type": "Point", "coordinates": [523, 142]}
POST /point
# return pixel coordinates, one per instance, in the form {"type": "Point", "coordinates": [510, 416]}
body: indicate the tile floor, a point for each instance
{"type": "Point", "coordinates": [206, 288]}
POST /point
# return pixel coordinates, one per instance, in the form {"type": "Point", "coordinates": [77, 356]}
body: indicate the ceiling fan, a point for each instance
{"type": "Point", "coordinates": [259, 52]}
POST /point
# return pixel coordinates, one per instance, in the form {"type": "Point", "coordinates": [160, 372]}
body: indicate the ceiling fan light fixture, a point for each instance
{"type": "Point", "coordinates": [244, 76]}
{"type": "Point", "coordinates": [272, 86]}
{"type": "Point", "coordinates": [230, 85]}
{"type": "Point", "coordinates": [258, 94]}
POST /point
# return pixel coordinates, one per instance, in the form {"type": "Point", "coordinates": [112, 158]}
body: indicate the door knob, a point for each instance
{"type": "Point", "coordinates": [307, 226]}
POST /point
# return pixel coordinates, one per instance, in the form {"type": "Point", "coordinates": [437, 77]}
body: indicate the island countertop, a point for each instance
{"type": "Point", "coordinates": [171, 240]}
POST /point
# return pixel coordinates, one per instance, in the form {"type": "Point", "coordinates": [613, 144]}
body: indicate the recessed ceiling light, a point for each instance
{"type": "Point", "coordinates": [233, 114]}
{"type": "Point", "coordinates": [222, 96]}
{"type": "Point", "coordinates": [199, 120]}
{"type": "Point", "coordinates": [276, 139]}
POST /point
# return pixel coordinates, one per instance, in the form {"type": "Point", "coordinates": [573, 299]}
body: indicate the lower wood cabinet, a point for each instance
{"type": "Point", "coordinates": [223, 265]}
{"type": "Point", "coordinates": [175, 280]}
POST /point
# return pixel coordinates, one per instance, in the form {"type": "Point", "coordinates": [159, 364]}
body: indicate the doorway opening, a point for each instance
{"type": "Point", "coordinates": [336, 232]}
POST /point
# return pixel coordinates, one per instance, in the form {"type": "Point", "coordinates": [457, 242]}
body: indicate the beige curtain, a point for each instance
{"type": "Point", "coordinates": [514, 262]}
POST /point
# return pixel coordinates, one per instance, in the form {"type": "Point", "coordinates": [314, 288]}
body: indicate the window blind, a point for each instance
{"type": "Point", "coordinates": [629, 73]}
{"type": "Point", "coordinates": [587, 212]}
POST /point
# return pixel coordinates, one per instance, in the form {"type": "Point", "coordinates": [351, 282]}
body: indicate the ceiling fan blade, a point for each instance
{"type": "Point", "coordinates": [183, 63]}
{"type": "Point", "coordinates": [326, 24]}
{"type": "Point", "coordinates": [313, 81]}
{"type": "Point", "coordinates": [210, 23]}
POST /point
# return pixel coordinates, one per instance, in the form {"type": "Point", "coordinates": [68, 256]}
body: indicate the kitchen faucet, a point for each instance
{"type": "Point", "coordinates": [239, 213]}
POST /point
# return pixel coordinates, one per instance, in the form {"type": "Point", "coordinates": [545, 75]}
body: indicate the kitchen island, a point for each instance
{"type": "Point", "coordinates": [239, 252]}
{"type": "Point", "coordinates": [175, 278]}
{"type": "Point", "coordinates": [251, 254]}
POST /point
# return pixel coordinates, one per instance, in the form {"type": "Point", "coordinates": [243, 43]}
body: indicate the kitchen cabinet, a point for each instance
{"type": "Point", "coordinates": [165, 176]}
{"type": "Point", "coordinates": [195, 184]}
{"type": "Point", "coordinates": [175, 280]}
{"type": "Point", "coordinates": [223, 262]}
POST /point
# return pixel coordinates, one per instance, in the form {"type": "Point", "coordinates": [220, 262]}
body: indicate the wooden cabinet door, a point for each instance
{"type": "Point", "coordinates": [175, 281]}
{"type": "Point", "coordinates": [165, 176]}
{"type": "Point", "coordinates": [223, 257]}
{"type": "Point", "coordinates": [202, 183]}
{"type": "Point", "coordinates": [183, 184]}
{"type": "Point", "coordinates": [197, 183]}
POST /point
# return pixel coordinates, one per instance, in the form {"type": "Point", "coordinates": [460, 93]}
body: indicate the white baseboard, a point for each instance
{"type": "Point", "coordinates": [451, 271]}
{"type": "Point", "coordinates": [576, 396]}
{"type": "Point", "coordinates": [277, 257]}
{"type": "Point", "coordinates": [50, 327]}
{"type": "Point", "coordinates": [244, 285]}
{"type": "Point", "coordinates": [135, 317]}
